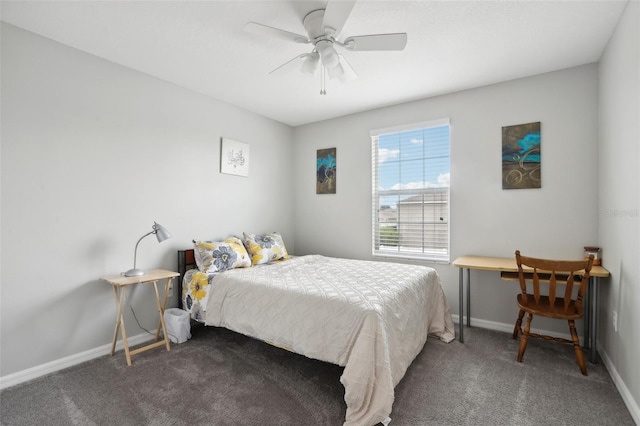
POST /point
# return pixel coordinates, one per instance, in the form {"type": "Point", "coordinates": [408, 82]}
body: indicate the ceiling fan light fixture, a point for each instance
{"type": "Point", "coordinates": [336, 71]}
{"type": "Point", "coordinates": [323, 29]}
{"type": "Point", "coordinates": [310, 64]}
{"type": "Point", "coordinates": [328, 54]}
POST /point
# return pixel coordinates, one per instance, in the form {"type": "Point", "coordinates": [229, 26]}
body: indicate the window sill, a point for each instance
{"type": "Point", "coordinates": [407, 256]}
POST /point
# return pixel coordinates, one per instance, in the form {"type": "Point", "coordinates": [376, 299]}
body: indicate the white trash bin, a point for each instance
{"type": "Point", "coordinates": [178, 324]}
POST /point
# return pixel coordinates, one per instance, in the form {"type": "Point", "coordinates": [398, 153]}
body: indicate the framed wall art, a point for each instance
{"type": "Point", "coordinates": [234, 157]}
{"type": "Point", "coordinates": [521, 160]}
{"type": "Point", "coordinates": [326, 171]}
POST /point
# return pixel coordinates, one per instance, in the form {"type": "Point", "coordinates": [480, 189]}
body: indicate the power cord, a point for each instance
{"type": "Point", "coordinates": [151, 333]}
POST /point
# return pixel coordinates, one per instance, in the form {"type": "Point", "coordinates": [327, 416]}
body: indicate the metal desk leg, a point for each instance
{"type": "Point", "coordinates": [461, 305]}
{"type": "Point", "coordinates": [586, 335]}
{"type": "Point", "coordinates": [468, 297]}
{"type": "Point", "coordinates": [593, 328]}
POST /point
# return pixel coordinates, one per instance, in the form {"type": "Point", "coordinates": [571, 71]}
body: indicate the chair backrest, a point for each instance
{"type": "Point", "coordinates": [564, 272]}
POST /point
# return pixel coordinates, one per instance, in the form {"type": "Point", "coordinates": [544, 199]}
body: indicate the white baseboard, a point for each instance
{"type": "Point", "coordinates": [62, 363]}
{"type": "Point", "coordinates": [508, 328]}
{"type": "Point", "coordinates": [631, 404]}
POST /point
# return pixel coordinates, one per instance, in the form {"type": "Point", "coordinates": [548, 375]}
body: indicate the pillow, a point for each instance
{"type": "Point", "coordinates": [214, 256]}
{"type": "Point", "coordinates": [195, 293]}
{"type": "Point", "coordinates": [265, 248]}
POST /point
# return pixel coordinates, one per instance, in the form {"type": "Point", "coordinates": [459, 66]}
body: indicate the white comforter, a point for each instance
{"type": "Point", "coordinates": [370, 317]}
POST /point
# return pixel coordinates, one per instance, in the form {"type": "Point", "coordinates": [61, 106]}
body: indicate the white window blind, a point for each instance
{"type": "Point", "coordinates": [411, 191]}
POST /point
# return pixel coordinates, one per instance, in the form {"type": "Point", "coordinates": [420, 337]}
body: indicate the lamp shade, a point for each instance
{"type": "Point", "coordinates": [328, 54]}
{"type": "Point", "coordinates": [336, 71]}
{"type": "Point", "coordinates": [161, 234]}
{"type": "Point", "coordinates": [310, 64]}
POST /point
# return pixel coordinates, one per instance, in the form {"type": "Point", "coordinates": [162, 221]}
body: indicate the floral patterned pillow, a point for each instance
{"type": "Point", "coordinates": [265, 248]}
{"type": "Point", "coordinates": [195, 293]}
{"type": "Point", "coordinates": [214, 256]}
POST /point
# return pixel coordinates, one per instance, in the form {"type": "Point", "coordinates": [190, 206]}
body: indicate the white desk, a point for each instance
{"type": "Point", "coordinates": [504, 264]}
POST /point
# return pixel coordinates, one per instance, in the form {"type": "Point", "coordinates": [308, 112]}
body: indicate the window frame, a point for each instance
{"type": "Point", "coordinates": [423, 253]}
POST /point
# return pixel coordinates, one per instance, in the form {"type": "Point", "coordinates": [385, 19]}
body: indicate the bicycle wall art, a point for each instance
{"type": "Point", "coordinates": [326, 171]}
{"type": "Point", "coordinates": [521, 156]}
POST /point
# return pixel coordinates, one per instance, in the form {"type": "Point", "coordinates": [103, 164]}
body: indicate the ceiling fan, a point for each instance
{"type": "Point", "coordinates": [323, 27]}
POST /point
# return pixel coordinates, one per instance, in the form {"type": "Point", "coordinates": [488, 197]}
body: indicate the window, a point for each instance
{"type": "Point", "coordinates": [411, 191]}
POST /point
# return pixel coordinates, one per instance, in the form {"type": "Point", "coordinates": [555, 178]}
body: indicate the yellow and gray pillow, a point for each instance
{"type": "Point", "coordinates": [214, 256]}
{"type": "Point", "coordinates": [265, 248]}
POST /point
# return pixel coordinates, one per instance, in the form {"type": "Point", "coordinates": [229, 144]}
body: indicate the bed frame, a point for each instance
{"type": "Point", "coordinates": [372, 387]}
{"type": "Point", "coordinates": [186, 261]}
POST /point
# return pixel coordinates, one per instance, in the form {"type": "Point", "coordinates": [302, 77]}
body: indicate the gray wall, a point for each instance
{"type": "Point", "coordinates": [590, 188]}
{"type": "Point", "coordinates": [92, 154]}
{"type": "Point", "coordinates": [619, 207]}
{"type": "Point", "coordinates": [556, 220]}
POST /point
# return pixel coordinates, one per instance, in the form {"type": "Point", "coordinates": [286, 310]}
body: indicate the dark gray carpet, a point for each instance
{"type": "Point", "coordinates": [223, 378]}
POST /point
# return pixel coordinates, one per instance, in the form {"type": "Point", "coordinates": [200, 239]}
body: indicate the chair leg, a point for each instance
{"type": "Point", "coordinates": [524, 337]}
{"type": "Point", "coordinates": [518, 327]}
{"type": "Point", "coordinates": [576, 347]}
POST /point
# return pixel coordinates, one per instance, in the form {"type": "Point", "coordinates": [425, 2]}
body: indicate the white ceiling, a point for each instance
{"type": "Point", "coordinates": [452, 45]}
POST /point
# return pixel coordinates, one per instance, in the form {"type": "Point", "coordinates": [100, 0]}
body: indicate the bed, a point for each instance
{"type": "Point", "coordinates": [372, 318]}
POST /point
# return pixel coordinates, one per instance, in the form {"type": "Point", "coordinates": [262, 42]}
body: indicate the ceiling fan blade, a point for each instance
{"type": "Point", "coordinates": [266, 31]}
{"type": "Point", "coordinates": [394, 41]}
{"type": "Point", "coordinates": [293, 64]}
{"type": "Point", "coordinates": [336, 14]}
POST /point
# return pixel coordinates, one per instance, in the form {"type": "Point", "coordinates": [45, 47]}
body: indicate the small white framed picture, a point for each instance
{"type": "Point", "coordinates": [234, 157]}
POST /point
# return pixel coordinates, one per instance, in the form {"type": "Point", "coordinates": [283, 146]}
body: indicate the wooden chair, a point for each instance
{"type": "Point", "coordinates": [530, 300]}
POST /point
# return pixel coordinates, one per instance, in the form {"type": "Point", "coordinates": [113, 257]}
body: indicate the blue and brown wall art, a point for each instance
{"type": "Point", "coordinates": [521, 156]}
{"type": "Point", "coordinates": [326, 171]}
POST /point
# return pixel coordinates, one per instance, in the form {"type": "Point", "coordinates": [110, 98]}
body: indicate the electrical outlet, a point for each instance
{"type": "Point", "coordinates": [615, 321]}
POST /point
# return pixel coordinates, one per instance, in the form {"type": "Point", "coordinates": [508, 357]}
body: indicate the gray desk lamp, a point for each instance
{"type": "Point", "coordinates": [161, 234]}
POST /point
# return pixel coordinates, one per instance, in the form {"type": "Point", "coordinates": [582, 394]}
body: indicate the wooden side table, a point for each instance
{"type": "Point", "coordinates": [120, 283]}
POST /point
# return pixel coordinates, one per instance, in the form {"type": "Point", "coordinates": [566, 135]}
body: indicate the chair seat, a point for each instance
{"type": "Point", "coordinates": [544, 308]}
